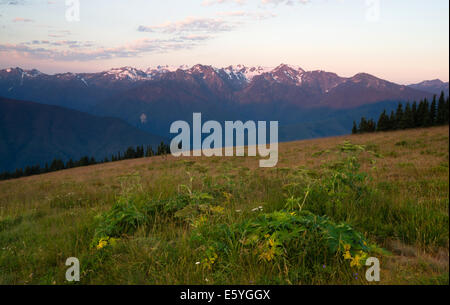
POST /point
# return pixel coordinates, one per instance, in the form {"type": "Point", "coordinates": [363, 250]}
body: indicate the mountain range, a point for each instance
{"type": "Point", "coordinates": [306, 103]}
{"type": "Point", "coordinates": [239, 84]}
{"type": "Point", "coordinates": [435, 86]}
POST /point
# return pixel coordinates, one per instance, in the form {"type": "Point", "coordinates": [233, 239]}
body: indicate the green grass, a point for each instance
{"type": "Point", "coordinates": [226, 221]}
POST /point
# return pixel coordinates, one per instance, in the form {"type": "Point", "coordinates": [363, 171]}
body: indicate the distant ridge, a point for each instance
{"type": "Point", "coordinates": [32, 133]}
{"type": "Point", "coordinates": [435, 86]}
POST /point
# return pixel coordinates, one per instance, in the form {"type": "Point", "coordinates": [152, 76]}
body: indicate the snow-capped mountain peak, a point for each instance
{"type": "Point", "coordinates": [30, 73]}
{"type": "Point", "coordinates": [33, 73]}
{"type": "Point", "coordinates": [127, 73]}
{"type": "Point", "coordinates": [157, 71]}
{"type": "Point", "coordinates": [285, 67]}
{"type": "Point", "coordinates": [288, 73]}
{"type": "Point", "coordinates": [246, 73]}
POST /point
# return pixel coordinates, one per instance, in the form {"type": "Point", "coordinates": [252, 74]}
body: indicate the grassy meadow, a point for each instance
{"type": "Point", "coordinates": [314, 219]}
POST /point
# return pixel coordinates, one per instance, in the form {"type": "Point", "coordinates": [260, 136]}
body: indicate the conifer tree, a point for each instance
{"type": "Point", "coordinates": [392, 121]}
{"type": "Point", "coordinates": [149, 151]}
{"type": "Point", "coordinates": [398, 116]}
{"type": "Point", "coordinates": [426, 113]}
{"type": "Point", "coordinates": [383, 122]}
{"type": "Point", "coordinates": [432, 113]}
{"type": "Point", "coordinates": [161, 149]}
{"type": "Point", "coordinates": [447, 111]}
{"type": "Point", "coordinates": [407, 120]}
{"type": "Point", "coordinates": [70, 164]}
{"type": "Point", "coordinates": [440, 116]}
{"type": "Point", "coordinates": [84, 161]}
{"type": "Point", "coordinates": [414, 114]}
{"type": "Point", "coordinates": [355, 128]}
{"type": "Point", "coordinates": [18, 173]}
{"type": "Point", "coordinates": [420, 114]}
{"type": "Point", "coordinates": [371, 126]}
{"type": "Point", "coordinates": [363, 125]}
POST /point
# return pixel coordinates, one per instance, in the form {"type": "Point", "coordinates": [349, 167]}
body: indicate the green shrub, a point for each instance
{"type": "Point", "coordinates": [284, 238]}
{"type": "Point", "coordinates": [132, 212]}
{"type": "Point", "coordinates": [349, 147]}
{"type": "Point", "coordinates": [289, 235]}
{"type": "Point", "coordinates": [124, 218]}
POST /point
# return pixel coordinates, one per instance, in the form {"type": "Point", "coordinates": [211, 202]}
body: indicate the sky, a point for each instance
{"type": "Point", "coordinates": [404, 41]}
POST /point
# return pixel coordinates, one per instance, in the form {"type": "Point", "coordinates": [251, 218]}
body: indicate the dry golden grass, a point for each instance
{"type": "Point", "coordinates": [410, 166]}
{"type": "Point", "coordinates": [292, 154]}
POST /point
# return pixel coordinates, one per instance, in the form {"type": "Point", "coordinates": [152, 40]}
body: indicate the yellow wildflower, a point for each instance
{"type": "Point", "coordinates": [363, 255]}
{"type": "Point", "coordinates": [210, 259]}
{"type": "Point", "coordinates": [217, 209]}
{"type": "Point", "coordinates": [105, 241]}
{"type": "Point", "coordinates": [102, 243]}
{"type": "Point", "coordinates": [227, 195]}
{"type": "Point", "coordinates": [200, 221]}
{"type": "Point", "coordinates": [271, 242]}
{"type": "Point", "coordinates": [207, 263]}
{"type": "Point", "coordinates": [268, 255]}
{"type": "Point", "coordinates": [356, 261]}
{"type": "Point", "coordinates": [347, 255]}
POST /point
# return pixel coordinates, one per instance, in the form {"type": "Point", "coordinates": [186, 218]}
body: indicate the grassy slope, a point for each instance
{"type": "Point", "coordinates": [46, 219]}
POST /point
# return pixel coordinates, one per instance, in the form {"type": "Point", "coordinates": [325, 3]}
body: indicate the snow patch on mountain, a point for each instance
{"type": "Point", "coordinates": [84, 81]}
{"type": "Point", "coordinates": [127, 73]}
{"type": "Point", "coordinates": [244, 73]}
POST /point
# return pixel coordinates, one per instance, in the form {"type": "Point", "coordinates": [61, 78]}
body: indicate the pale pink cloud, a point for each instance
{"type": "Point", "coordinates": [190, 24]}
{"type": "Point", "coordinates": [20, 19]}
{"type": "Point", "coordinates": [212, 2]}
